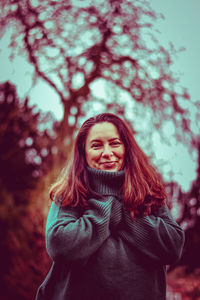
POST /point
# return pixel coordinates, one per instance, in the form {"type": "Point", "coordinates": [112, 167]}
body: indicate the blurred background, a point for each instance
{"type": "Point", "coordinates": [64, 61]}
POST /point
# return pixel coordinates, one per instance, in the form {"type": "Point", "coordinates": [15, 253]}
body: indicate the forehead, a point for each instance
{"type": "Point", "coordinates": [103, 130]}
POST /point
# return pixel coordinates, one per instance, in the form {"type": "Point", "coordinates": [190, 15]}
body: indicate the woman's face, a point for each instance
{"type": "Point", "coordinates": [104, 148]}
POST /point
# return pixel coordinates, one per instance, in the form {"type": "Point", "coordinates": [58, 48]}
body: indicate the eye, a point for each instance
{"type": "Point", "coordinates": [116, 143]}
{"type": "Point", "coordinates": [96, 145]}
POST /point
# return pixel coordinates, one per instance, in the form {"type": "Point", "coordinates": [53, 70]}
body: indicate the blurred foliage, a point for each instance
{"type": "Point", "coordinates": [189, 217]}
{"type": "Point", "coordinates": [182, 286]}
{"type": "Point", "coordinates": [72, 45]}
{"type": "Point", "coordinates": [25, 159]}
{"type": "Point", "coordinates": [21, 143]}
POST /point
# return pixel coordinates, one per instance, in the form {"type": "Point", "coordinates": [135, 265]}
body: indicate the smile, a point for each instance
{"type": "Point", "coordinates": [109, 163]}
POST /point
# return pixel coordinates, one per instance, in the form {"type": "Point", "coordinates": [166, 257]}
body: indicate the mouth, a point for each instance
{"type": "Point", "coordinates": [109, 164]}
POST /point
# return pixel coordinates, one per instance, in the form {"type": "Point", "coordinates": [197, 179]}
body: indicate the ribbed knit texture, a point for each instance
{"type": "Point", "coordinates": [106, 183]}
{"type": "Point", "coordinates": [101, 254]}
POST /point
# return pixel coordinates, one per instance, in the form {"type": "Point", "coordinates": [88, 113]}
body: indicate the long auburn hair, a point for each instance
{"type": "Point", "coordinates": [143, 190]}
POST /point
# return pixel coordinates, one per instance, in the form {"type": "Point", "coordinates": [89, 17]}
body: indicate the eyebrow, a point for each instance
{"type": "Point", "coordinates": [110, 140]}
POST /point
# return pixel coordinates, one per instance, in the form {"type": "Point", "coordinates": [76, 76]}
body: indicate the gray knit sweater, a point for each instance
{"type": "Point", "coordinates": [101, 254]}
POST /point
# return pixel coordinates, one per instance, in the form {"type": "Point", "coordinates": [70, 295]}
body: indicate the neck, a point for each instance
{"type": "Point", "coordinates": [106, 183]}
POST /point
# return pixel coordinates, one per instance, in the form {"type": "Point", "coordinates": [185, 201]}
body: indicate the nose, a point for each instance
{"type": "Point", "coordinates": [107, 151]}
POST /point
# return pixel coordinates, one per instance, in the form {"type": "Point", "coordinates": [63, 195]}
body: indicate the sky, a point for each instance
{"type": "Point", "coordinates": [181, 26]}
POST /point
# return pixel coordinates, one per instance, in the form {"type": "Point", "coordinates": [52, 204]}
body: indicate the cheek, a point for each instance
{"type": "Point", "coordinates": [121, 153]}
{"type": "Point", "coordinates": [91, 155]}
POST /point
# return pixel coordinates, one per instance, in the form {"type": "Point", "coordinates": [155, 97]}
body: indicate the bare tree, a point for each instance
{"type": "Point", "coordinates": [72, 44]}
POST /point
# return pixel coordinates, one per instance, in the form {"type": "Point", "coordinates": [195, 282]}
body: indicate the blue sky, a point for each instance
{"type": "Point", "coordinates": [182, 27]}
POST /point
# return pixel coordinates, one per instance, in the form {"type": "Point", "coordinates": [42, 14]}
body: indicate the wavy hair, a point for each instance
{"type": "Point", "coordinates": [143, 189]}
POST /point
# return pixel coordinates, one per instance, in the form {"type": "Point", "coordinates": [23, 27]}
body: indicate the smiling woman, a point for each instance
{"type": "Point", "coordinates": [104, 149]}
{"type": "Point", "coordinates": [109, 232]}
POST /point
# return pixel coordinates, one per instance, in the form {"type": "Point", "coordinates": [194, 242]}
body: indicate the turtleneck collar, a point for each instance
{"type": "Point", "coordinates": [105, 182]}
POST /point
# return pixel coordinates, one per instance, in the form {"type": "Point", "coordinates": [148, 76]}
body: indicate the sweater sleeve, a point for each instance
{"type": "Point", "coordinates": [158, 237]}
{"type": "Point", "coordinates": [75, 237]}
